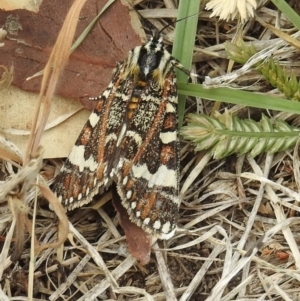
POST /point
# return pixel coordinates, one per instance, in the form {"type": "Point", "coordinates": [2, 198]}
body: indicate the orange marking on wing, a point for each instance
{"type": "Point", "coordinates": [133, 197]}
{"type": "Point", "coordinates": [147, 208]}
{"type": "Point", "coordinates": [141, 83]}
{"type": "Point", "coordinates": [90, 183]}
{"type": "Point", "coordinates": [157, 120]}
{"type": "Point", "coordinates": [170, 122]}
{"type": "Point", "coordinates": [99, 105]}
{"type": "Point", "coordinates": [167, 153]}
{"type": "Point", "coordinates": [100, 172]}
{"type": "Point", "coordinates": [86, 135]}
{"type": "Point", "coordinates": [76, 188]}
{"type": "Point", "coordinates": [141, 202]}
{"type": "Point", "coordinates": [132, 105]}
{"type": "Point", "coordinates": [126, 169]}
{"type": "Point", "coordinates": [129, 184]}
{"type": "Point", "coordinates": [67, 181]}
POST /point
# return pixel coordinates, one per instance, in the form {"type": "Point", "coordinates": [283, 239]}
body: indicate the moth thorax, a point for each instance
{"type": "Point", "coordinates": [148, 63]}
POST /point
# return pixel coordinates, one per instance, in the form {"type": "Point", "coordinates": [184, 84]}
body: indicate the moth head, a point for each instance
{"type": "Point", "coordinates": [154, 60]}
{"type": "Point", "coordinates": [150, 61]}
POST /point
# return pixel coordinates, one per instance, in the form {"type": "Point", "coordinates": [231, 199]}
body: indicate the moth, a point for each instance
{"type": "Point", "coordinates": [131, 139]}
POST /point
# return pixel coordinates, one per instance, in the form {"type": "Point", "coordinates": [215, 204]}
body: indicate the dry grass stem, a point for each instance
{"type": "Point", "coordinates": [55, 66]}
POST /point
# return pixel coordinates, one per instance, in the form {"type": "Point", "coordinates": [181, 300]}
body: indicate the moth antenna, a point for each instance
{"type": "Point", "coordinates": [174, 22]}
{"type": "Point", "coordinates": [144, 19]}
{"type": "Point", "coordinates": [157, 33]}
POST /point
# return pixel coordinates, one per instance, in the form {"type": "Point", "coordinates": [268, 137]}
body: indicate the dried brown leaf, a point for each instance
{"type": "Point", "coordinates": [139, 243]}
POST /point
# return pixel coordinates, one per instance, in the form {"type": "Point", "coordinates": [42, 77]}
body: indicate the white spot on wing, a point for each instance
{"type": "Point", "coordinates": [168, 137]}
{"type": "Point", "coordinates": [163, 177]}
{"type": "Point", "coordinates": [164, 231]}
{"type": "Point", "coordinates": [120, 164]}
{"type": "Point", "coordinates": [125, 180]}
{"type": "Point", "coordinates": [110, 137]}
{"type": "Point", "coordinates": [174, 99]}
{"type": "Point", "coordinates": [166, 227]}
{"type": "Point", "coordinates": [157, 225]}
{"type": "Point", "coordinates": [137, 138]}
{"type": "Point", "coordinates": [76, 157]}
{"type": "Point", "coordinates": [146, 220]}
{"type": "Point", "coordinates": [79, 196]}
{"type": "Point", "coordinates": [170, 108]}
{"type": "Point", "coordinates": [122, 133]}
{"type": "Point", "coordinates": [112, 172]}
{"type": "Point", "coordinates": [128, 194]}
{"type": "Point", "coordinates": [133, 205]}
{"type": "Point", "coordinates": [107, 91]}
{"type": "Point", "coordinates": [94, 118]}
{"type": "Point", "coordinates": [91, 164]}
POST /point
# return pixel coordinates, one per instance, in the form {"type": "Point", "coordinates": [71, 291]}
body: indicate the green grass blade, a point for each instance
{"type": "Point", "coordinates": [241, 97]}
{"type": "Point", "coordinates": [184, 41]}
{"type": "Point", "coordinates": [288, 11]}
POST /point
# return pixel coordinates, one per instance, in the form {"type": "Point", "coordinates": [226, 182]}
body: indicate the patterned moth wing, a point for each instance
{"type": "Point", "coordinates": [87, 169]}
{"type": "Point", "coordinates": [131, 139]}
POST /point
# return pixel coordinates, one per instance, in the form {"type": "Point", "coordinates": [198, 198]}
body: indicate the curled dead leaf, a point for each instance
{"type": "Point", "coordinates": [139, 242]}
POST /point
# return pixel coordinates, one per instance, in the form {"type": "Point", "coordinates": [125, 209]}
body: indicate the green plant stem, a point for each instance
{"type": "Point", "coordinates": [241, 97]}
{"type": "Point", "coordinates": [184, 41]}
